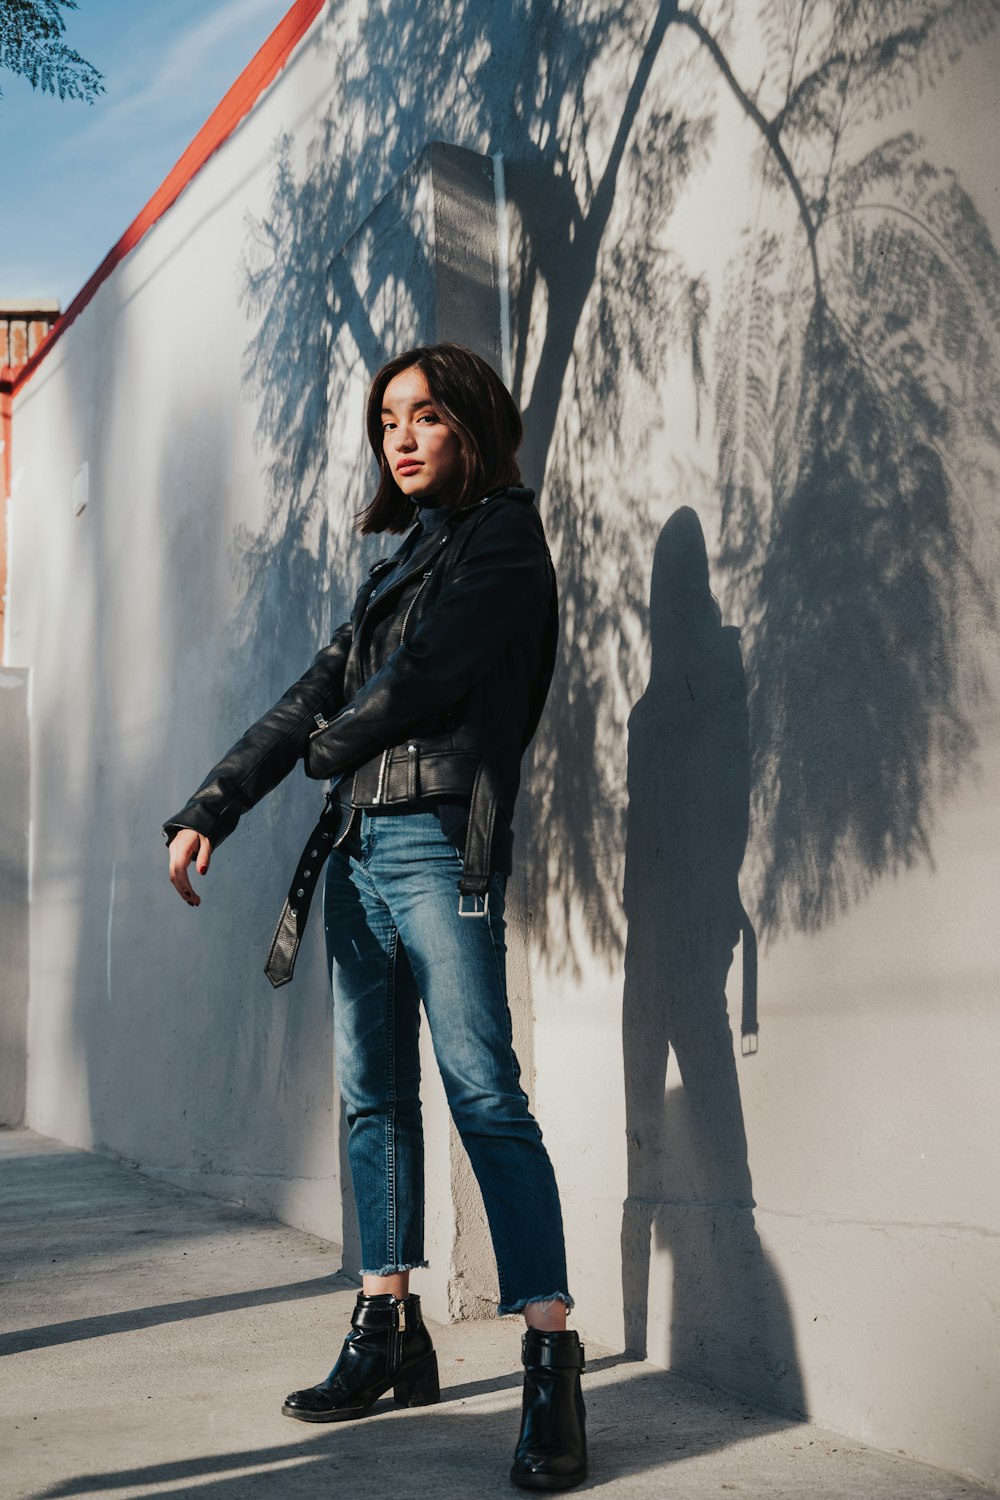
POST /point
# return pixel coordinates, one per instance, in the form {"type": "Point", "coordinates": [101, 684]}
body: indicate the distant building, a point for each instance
{"type": "Point", "coordinates": [24, 322]}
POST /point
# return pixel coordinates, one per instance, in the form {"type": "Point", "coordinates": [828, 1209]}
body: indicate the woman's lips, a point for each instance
{"type": "Point", "coordinates": [408, 468]}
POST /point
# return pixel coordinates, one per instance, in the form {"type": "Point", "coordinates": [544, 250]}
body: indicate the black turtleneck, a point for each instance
{"type": "Point", "coordinates": [431, 514]}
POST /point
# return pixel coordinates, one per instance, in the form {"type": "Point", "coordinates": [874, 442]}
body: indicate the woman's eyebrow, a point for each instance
{"type": "Point", "coordinates": [387, 411]}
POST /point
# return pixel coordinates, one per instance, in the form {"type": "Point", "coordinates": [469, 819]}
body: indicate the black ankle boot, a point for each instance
{"type": "Point", "coordinates": [388, 1345]}
{"type": "Point", "coordinates": [551, 1450]}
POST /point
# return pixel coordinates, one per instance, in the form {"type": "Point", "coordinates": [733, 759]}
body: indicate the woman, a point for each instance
{"type": "Point", "coordinates": [419, 712]}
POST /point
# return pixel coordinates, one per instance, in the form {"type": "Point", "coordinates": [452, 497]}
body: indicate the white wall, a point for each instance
{"type": "Point", "coordinates": [150, 1035]}
{"type": "Point", "coordinates": [14, 689]}
{"type": "Point", "coordinates": [816, 1224]}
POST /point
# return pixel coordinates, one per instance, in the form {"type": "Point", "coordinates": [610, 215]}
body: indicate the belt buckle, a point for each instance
{"type": "Point", "coordinates": [477, 911]}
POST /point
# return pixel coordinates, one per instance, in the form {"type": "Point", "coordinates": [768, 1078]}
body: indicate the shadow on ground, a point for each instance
{"type": "Point", "coordinates": [638, 1420]}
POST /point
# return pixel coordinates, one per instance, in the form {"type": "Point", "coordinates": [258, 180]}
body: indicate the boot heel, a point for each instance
{"type": "Point", "coordinates": [419, 1386]}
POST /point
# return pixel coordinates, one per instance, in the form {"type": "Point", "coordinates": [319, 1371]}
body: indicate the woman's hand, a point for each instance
{"type": "Point", "coordinates": [185, 846]}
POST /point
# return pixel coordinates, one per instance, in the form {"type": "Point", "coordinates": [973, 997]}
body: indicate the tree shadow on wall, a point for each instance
{"type": "Point", "coordinates": [855, 394]}
{"type": "Point", "coordinates": [689, 1187]}
{"type": "Point", "coordinates": [316, 344]}
{"type": "Point", "coordinates": [857, 399]}
{"type": "Point", "coordinates": [303, 369]}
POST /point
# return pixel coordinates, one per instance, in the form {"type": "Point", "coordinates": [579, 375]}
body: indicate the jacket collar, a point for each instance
{"type": "Point", "coordinates": [416, 533]}
{"type": "Point", "coordinates": [514, 491]}
{"type": "Point", "coordinates": [417, 545]}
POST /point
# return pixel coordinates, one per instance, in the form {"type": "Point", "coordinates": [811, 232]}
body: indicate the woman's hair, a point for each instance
{"type": "Point", "coordinates": [474, 402]}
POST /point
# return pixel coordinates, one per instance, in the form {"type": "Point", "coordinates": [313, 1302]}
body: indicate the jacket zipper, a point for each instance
{"type": "Point", "coordinates": [399, 582]}
{"type": "Point", "coordinates": [381, 776]}
{"type": "Point", "coordinates": [402, 636]}
{"type": "Point", "coordinates": [409, 607]}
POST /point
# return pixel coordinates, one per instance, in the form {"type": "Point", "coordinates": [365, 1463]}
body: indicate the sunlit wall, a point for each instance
{"type": "Point", "coordinates": [746, 261]}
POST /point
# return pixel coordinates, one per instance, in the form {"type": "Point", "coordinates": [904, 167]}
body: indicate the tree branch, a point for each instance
{"type": "Point", "coordinates": [794, 56]}
{"type": "Point", "coordinates": [768, 131]}
{"type": "Point", "coordinates": [604, 196]}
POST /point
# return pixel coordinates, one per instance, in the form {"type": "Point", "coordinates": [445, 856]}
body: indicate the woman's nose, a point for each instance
{"type": "Point", "coordinates": [404, 438]}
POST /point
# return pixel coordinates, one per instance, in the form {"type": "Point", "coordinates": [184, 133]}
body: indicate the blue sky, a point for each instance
{"type": "Point", "coordinates": [75, 175]}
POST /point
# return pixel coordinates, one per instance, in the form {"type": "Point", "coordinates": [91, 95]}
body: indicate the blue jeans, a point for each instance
{"type": "Point", "coordinates": [394, 937]}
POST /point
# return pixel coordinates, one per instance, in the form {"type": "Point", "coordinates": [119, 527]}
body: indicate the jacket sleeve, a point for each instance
{"type": "Point", "coordinates": [269, 749]}
{"type": "Point", "coordinates": [499, 585]}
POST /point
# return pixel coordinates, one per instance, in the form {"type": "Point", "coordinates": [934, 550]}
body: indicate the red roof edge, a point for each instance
{"type": "Point", "coordinates": [259, 72]}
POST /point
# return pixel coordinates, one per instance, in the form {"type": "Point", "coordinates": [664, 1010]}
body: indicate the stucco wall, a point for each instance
{"type": "Point", "coordinates": [801, 345]}
{"type": "Point", "coordinates": [14, 876]}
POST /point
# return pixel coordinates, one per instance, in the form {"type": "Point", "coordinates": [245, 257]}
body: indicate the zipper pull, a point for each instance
{"type": "Point", "coordinates": [402, 1315]}
{"type": "Point", "coordinates": [321, 723]}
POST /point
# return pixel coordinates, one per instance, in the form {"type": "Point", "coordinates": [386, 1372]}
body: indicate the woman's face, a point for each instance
{"type": "Point", "coordinates": [422, 452]}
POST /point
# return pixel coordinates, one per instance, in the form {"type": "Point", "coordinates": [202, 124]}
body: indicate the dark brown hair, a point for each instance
{"type": "Point", "coordinates": [474, 402]}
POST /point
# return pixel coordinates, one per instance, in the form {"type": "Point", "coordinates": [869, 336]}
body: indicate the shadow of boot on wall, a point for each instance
{"type": "Point", "coordinates": [689, 1184]}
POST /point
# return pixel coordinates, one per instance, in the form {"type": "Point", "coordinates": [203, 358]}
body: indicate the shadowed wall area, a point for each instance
{"type": "Point", "coordinates": [857, 399]}
{"type": "Point", "coordinates": [856, 340]}
{"type": "Point", "coordinates": [739, 265]}
{"type": "Point", "coordinates": [689, 1187]}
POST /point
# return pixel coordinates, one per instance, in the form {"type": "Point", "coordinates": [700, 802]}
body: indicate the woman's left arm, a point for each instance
{"type": "Point", "coordinates": [499, 585]}
{"type": "Point", "coordinates": [268, 750]}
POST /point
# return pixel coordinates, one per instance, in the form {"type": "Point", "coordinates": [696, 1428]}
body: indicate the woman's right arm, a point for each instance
{"type": "Point", "coordinates": [262, 757]}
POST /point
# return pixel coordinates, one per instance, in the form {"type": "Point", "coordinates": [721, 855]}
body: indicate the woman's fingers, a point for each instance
{"type": "Point", "coordinates": [204, 854]}
{"type": "Point", "coordinates": [184, 847]}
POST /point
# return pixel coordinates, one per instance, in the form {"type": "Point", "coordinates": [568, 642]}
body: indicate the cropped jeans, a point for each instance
{"type": "Point", "coordinates": [394, 937]}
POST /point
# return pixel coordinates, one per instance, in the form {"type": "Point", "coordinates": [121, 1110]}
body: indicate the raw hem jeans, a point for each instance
{"type": "Point", "coordinates": [394, 937]}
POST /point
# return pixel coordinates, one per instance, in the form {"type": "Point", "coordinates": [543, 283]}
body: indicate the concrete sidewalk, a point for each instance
{"type": "Point", "coordinates": [149, 1336]}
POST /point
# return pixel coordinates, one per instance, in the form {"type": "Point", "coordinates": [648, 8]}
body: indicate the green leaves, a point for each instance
{"type": "Point", "coordinates": [31, 45]}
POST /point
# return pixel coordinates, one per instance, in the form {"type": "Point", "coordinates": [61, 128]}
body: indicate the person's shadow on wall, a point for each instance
{"type": "Point", "coordinates": [689, 1187]}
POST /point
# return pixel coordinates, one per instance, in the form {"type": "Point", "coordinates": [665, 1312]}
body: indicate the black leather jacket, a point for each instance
{"type": "Point", "coordinates": [436, 689]}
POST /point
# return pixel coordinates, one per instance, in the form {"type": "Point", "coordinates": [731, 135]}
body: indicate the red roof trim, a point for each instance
{"type": "Point", "coordinates": [221, 123]}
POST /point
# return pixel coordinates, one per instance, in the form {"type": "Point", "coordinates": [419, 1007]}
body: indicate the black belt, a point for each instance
{"type": "Point", "coordinates": [329, 831]}
{"type": "Point", "coordinates": [284, 947]}
{"type": "Point", "coordinates": [477, 860]}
